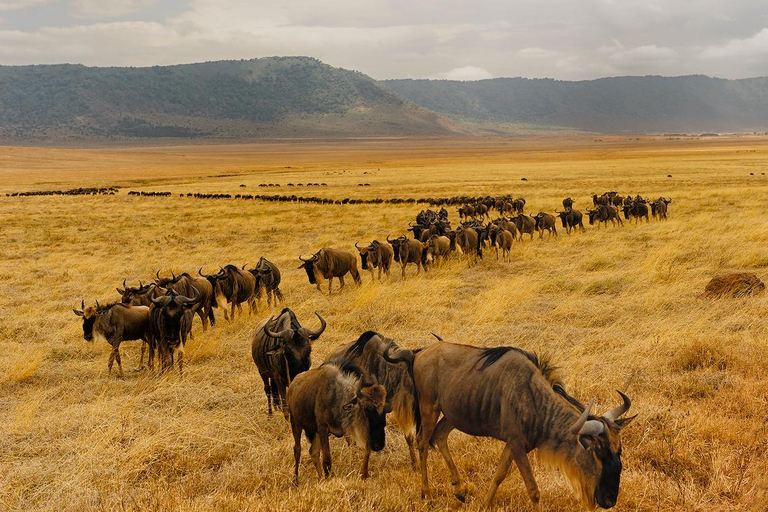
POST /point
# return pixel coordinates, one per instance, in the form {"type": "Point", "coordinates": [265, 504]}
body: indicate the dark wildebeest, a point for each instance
{"type": "Point", "coordinates": [636, 211]}
{"type": "Point", "coordinates": [545, 222]}
{"type": "Point", "coordinates": [234, 286]}
{"type": "Point", "coordinates": [281, 349]}
{"type": "Point", "coordinates": [468, 242]}
{"type": "Point", "coordinates": [525, 225]}
{"type": "Point", "coordinates": [115, 323]}
{"type": "Point", "coordinates": [508, 394]}
{"type": "Point", "coordinates": [466, 212]}
{"type": "Point", "coordinates": [184, 284]}
{"type": "Point", "coordinates": [408, 250]}
{"type": "Point", "coordinates": [518, 205]}
{"type": "Point", "coordinates": [376, 255]}
{"type": "Point", "coordinates": [604, 213]}
{"type": "Point", "coordinates": [141, 295]}
{"type": "Point", "coordinates": [659, 208]}
{"type": "Point", "coordinates": [481, 211]}
{"type": "Point", "coordinates": [568, 203]}
{"type": "Point", "coordinates": [366, 353]}
{"type": "Point", "coordinates": [336, 398]}
{"type": "Point", "coordinates": [438, 249]}
{"type": "Point", "coordinates": [170, 320]}
{"type": "Point", "coordinates": [504, 241]}
{"type": "Point", "coordinates": [571, 219]}
{"type": "Point", "coordinates": [602, 199]}
{"type": "Point", "coordinates": [267, 277]}
{"type": "Point", "coordinates": [328, 263]}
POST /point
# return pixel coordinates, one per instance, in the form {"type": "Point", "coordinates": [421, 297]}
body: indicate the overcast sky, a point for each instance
{"type": "Point", "coordinates": [456, 39]}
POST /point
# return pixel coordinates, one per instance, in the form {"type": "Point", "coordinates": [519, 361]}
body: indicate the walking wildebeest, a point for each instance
{"type": "Point", "coordinates": [604, 213]}
{"type": "Point", "coordinates": [659, 208]}
{"type": "Point", "coordinates": [116, 323]}
{"type": "Point", "coordinates": [281, 349]}
{"type": "Point", "coordinates": [525, 225]}
{"type": "Point", "coordinates": [328, 263]}
{"type": "Point", "coordinates": [234, 286]}
{"type": "Point", "coordinates": [141, 295]}
{"type": "Point", "coordinates": [184, 284]}
{"type": "Point", "coordinates": [545, 221]}
{"type": "Point", "coordinates": [408, 250]}
{"type": "Point", "coordinates": [636, 210]}
{"type": "Point", "coordinates": [568, 203]}
{"type": "Point", "coordinates": [468, 241]}
{"type": "Point", "coordinates": [438, 249]}
{"type": "Point", "coordinates": [170, 320]}
{"type": "Point", "coordinates": [571, 219]}
{"type": "Point", "coordinates": [507, 394]}
{"type": "Point", "coordinates": [503, 241]}
{"type": "Point", "coordinates": [518, 205]}
{"type": "Point", "coordinates": [267, 277]}
{"type": "Point", "coordinates": [336, 398]}
{"type": "Point", "coordinates": [366, 353]}
{"type": "Point", "coordinates": [376, 255]}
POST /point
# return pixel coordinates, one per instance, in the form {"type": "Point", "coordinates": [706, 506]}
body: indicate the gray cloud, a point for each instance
{"type": "Point", "coordinates": [396, 38]}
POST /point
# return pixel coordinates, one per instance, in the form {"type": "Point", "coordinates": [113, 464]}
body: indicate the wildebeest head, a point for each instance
{"type": "Point", "coordinates": [309, 266]}
{"type": "Point", "coordinates": [169, 314]}
{"type": "Point", "coordinates": [294, 343]}
{"type": "Point", "coordinates": [592, 216]}
{"type": "Point", "coordinates": [370, 402]}
{"type": "Point", "coordinates": [598, 458]}
{"type": "Point", "coordinates": [563, 217]}
{"type": "Point", "coordinates": [364, 253]}
{"type": "Point", "coordinates": [396, 244]}
{"type": "Point", "coordinates": [140, 295]}
{"type": "Point", "coordinates": [89, 315]}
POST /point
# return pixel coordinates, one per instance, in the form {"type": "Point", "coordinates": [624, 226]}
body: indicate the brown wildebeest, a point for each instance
{"type": "Point", "coordinates": [366, 353]}
{"type": "Point", "coordinates": [571, 219]}
{"type": "Point", "coordinates": [545, 222]}
{"type": "Point", "coordinates": [233, 286]}
{"type": "Point", "coordinates": [636, 210]}
{"type": "Point", "coordinates": [507, 394]}
{"type": "Point", "coordinates": [518, 205]}
{"type": "Point", "coordinates": [511, 227]}
{"type": "Point", "coordinates": [603, 214]}
{"type": "Point", "coordinates": [568, 203]}
{"type": "Point", "coordinates": [408, 250]}
{"type": "Point", "coordinates": [115, 323]}
{"type": "Point", "coordinates": [659, 208]}
{"type": "Point", "coordinates": [376, 255]}
{"type": "Point", "coordinates": [184, 284]}
{"type": "Point", "coordinates": [336, 398]}
{"type": "Point", "coordinates": [141, 295]}
{"type": "Point", "coordinates": [267, 277]}
{"type": "Point", "coordinates": [466, 212]}
{"type": "Point", "coordinates": [281, 349]}
{"type": "Point", "coordinates": [170, 320]}
{"type": "Point", "coordinates": [328, 263]}
{"type": "Point", "coordinates": [481, 211]}
{"type": "Point", "coordinates": [504, 241]}
{"type": "Point", "coordinates": [525, 225]}
{"type": "Point", "coordinates": [438, 249]}
{"type": "Point", "coordinates": [468, 242]}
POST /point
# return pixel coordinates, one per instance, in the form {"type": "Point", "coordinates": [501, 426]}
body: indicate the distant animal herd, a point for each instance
{"type": "Point", "coordinates": [503, 392]}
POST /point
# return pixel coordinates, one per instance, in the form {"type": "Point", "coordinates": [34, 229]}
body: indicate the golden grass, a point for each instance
{"type": "Point", "coordinates": [615, 309]}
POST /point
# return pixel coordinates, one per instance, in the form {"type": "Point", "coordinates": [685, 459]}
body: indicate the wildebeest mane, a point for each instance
{"type": "Point", "coordinates": [294, 321]}
{"type": "Point", "coordinates": [357, 347]}
{"type": "Point", "coordinates": [347, 366]}
{"type": "Point", "coordinates": [544, 365]}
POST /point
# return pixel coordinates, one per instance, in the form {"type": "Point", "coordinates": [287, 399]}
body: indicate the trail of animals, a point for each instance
{"type": "Point", "coordinates": [505, 393]}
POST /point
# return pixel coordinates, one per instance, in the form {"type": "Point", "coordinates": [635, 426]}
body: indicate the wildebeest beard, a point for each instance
{"type": "Point", "coordinates": [88, 328]}
{"type": "Point", "coordinates": [376, 430]}
{"type": "Point", "coordinates": [607, 491]}
{"type": "Point", "coordinates": [309, 266]}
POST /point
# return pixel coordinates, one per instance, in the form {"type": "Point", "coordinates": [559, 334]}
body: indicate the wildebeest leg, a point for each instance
{"type": "Point", "coordinates": [524, 465]}
{"type": "Point", "coordinates": [403, 273]}
{"type": "Point", "coordinates": [341, 283]}
{"type": "Point", "coordinates": [314, 452]}
{"type": "Point", "coordinates": [440, 438]}
{"type": "Point", "coordinates": [281, 395]}
{"type": "Point", "coordinates": [119, 362]}
{"type": "Point", "coordinates": [409, 440]}
{"type": "Point", "coordinates": [322, 433]}
{"type": "Point", "coordinates": [141, 357]}
{"type": "Point", "coordinates": [296, 429]}
{"type": "Point", "coordinates": [203, 318]}
{"type": "Point", "coordinates": [330, 282]}
{"type": "Point", "coordinates": [366, 458]}
{"type": "Point", "coordinates": [267, 391]}
{"type": "Point", "coordinates": [429, 415]}
{"type": "Point", "coordinates": [180, 351]}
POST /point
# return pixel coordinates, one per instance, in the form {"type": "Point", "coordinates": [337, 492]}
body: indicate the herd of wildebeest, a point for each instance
{"type": "Point", "coordinates": [505, 393]}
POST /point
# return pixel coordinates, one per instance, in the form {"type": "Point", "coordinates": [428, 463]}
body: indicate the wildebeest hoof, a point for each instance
{"type": "Point", "coordinates": [137, 370]}
{"type": "Point", "coordinates": [461, 497]}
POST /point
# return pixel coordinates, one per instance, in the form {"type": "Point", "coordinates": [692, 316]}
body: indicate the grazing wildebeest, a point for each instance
{"type": "Point", "coordinates": [525, 225]}
{"type": "Point", "coordinates": [508, 394]}
{"type": "Point", "coordinates": [468, 241]}
{"type": "Point", "coordinates": [545, 222]}
{"type": "Point", "coordinates": [267, 277]}
{"type": "Point", "coordinates": [408, 250]}
{"type": "Point", "coordinates": [183, 284]}
{"type": "Point", "coordinates": [571, 219]}
{"type": "Point", "coordinates": [328, 263]}
{"type": "Point", "coordinates": [504, 241]}
{"type": "Point", "coordinates": [568, 203]}
{"type": "Point", "coordinates": [170, 320]}
{"type": "Point", "coordinates": [233, 286]}
{"type": "Point", "coordinates": [376, 255]}
{"type": "Point", "coordinates": [115, 323]}
{"type": "Point", "coordinates": [336, 398]}
{"type": "Point", "coordinates": [366, 353]}
{"type": "Point", "coordinates": [438, 249]}
{"type": "Point", "coordinates": [281, 349]}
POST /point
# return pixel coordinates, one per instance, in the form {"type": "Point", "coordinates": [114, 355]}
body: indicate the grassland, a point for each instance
{"type": "Point", "coordinates": [615, 309]}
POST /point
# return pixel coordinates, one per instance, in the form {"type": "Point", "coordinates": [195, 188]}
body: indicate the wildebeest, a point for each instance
{"type": "Point", "coordinates": [328, 263]}
{"type": "Point", "coordinates": [525, 225]}
{"type": "Point", "coordinates": [282, 349]}
{"type": "Point", "coordinates": [409, 250]}
{"type": "Point", "coordinates": [503, 241]}
{"type": "Point", "coordinates": [545, 222]}
{"type": "Point", "coordinates": [116, 323]}
{"type": "Point", "coordinates": [636, 210]}
{"type": "Point", "coordinates": [568, 203]}
{"type": "Point", "coordinates": [510, 226]}
{"type": "Point", "coordinates": [518, 205]}
{"type": "Point", "coordinates": [233, 286]}
{"type": "Point", "coordinates": [571, 219]}
{"type": "Point", "coordinates": [184, 284]}
{"type": "Point", "coordinates": [508, 394]}
{"type": "Point", "coordinates": [376, 255]}
{"type": "Point", "coordinates": [267, 277]}
{"type": "Point", "coordinates": [604, 213]}
{"type": "Point", "coordinates": [468, 241]}
{"type": "Point", "coordinates": [466, 212]}
{"type": "Point", "coordinates": [366, 353]}
{"type": "Point", "coordinates": [659, 208]}
{"type": "Point", "coordinates": [141, 295]}
{"type": "Point", "coordinates": [481, 211]}
{"type": "Point", "coordinates": [438, 248]}
{"type": "Point", "coordinates": [336, 398]}
{"type": "Point", "coordinates": [170, 320]}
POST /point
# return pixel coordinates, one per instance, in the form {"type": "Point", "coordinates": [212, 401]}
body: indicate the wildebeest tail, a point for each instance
{"type": "Point", "coordinates": [279, 295]}
{"type": "Point", "coordinates": [210, 313]}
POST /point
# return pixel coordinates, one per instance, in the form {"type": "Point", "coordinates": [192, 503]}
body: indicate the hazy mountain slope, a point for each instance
{"type": "Point", "coordinates": [623, 104]}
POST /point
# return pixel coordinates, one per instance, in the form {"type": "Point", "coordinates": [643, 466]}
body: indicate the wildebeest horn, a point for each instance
{"type": "Point", "coordinates": [157, 275]}
{"type": "Point", "coordinates": [190, 300]}
{"type": "Point", "coordinates": [162, 300]}
{"type": "Point", "coordinates": [437, 337]}
{"type": "Point", "coordinates": [388, 240]}
{"type": "Point", "coordinates": [98, 306]}
{"type": "Point", "coordinates": [302, 259]}
{"type": "Point", "coordinates": [616, 412]}
{"type": "Point", "coordinates": [280, 335]}
{"type": "Point", "coordinates": [123, 283]}
{"type": "Point", "coordinates": [173, 276]}
{"type": "Point", "coordinates": [356, 246]}
{"type": "Point", "coordinates": [120, 291]}
{"type": "Point", "coordinates": [576, 427]}
{"type": "Point", "coordinates": [82, 304]}
{"type": "Point", "coordinates": [244, 265]}
{"type": "Point", "coordinates": [313, 335]}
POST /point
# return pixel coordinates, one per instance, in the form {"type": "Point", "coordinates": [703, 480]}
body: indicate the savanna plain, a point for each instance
{"type": "Point", "coordinates": [614, 308]}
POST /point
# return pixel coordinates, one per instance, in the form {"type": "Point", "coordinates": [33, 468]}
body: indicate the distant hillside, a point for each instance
{"type": "Point", "coordinates": [269, 97]}
{"type": "Point", "coordinates": [609, 105]}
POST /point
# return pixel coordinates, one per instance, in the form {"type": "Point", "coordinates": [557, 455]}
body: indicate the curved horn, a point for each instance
{"type": "Point", "coordinates": [244, 265]}
{"type": "Point", "coordinates": [280, 335]}
{"type": "Point", "coordinates": [356, 246]}
{"type": "Point", "coordinates": [187, 300]}
{"type": "Point", "coordinates": [162, 301]}
{"type": "Point", "coordinates": [616, 412]}
{"type": "Point", "coordinates": [302, 259]}
{"type": "Point", "coordinates": [437, 337]}
{"type": "Point", "coordinates": [173, 276]}
{"type": "Point", "coordinates": [82, 304]}
{"type": "Point", "coordinates": [98, 306]}
{"type": "Point", "coordinates": [388, 240]}
{"type": "Point", "coordinates": [313, 335]}
{"type": "Point", "coordinates": [576, 427]}
{"type": "Point", "coordinates": [120, 291]}
{"type": "Point", "coordinates": [157, 275]}
{"type": "Point", "coordinates": [123, 283]}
